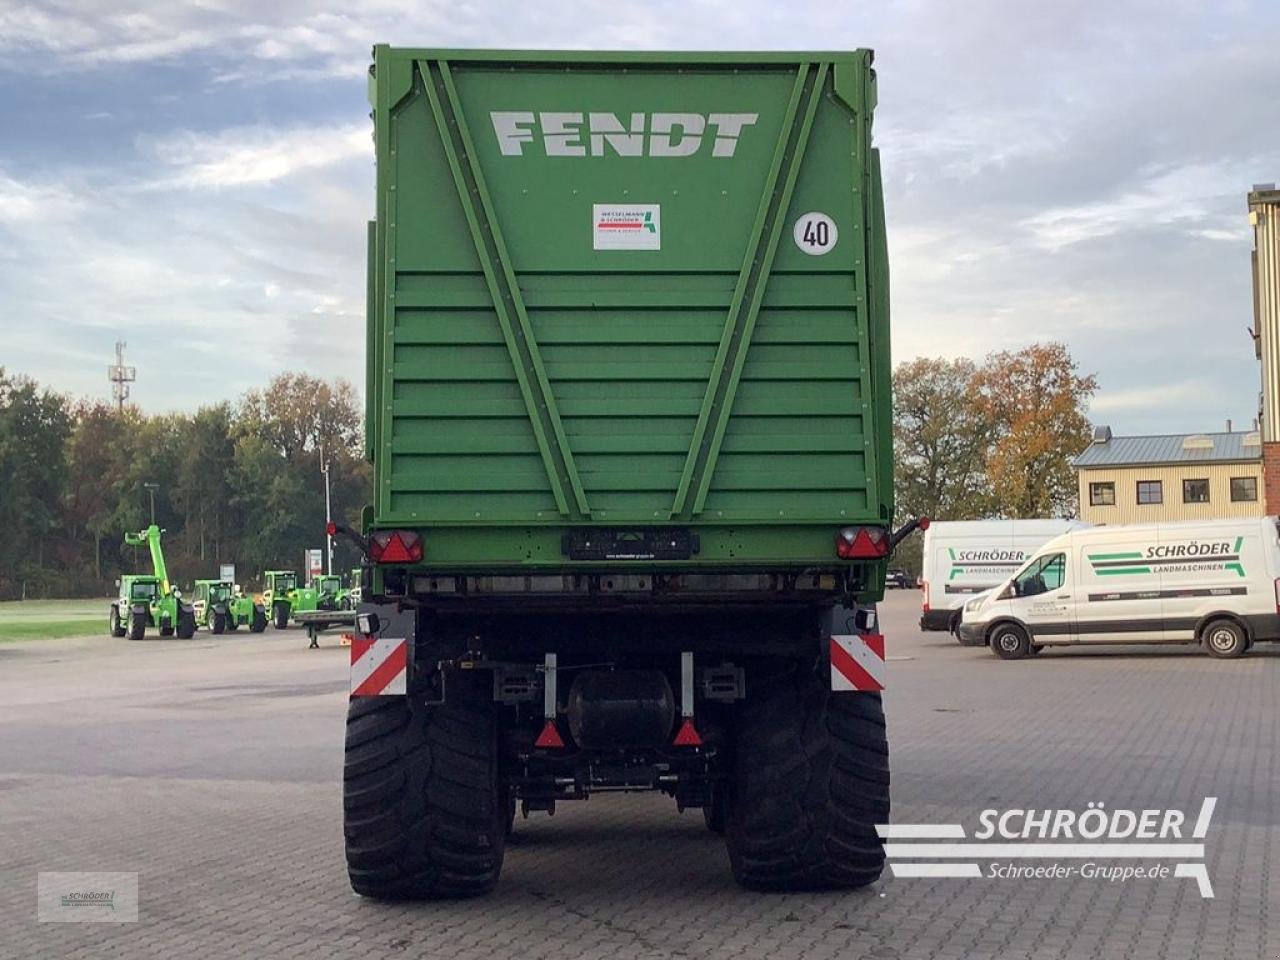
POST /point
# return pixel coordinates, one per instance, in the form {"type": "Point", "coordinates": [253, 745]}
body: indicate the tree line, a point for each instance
{"type": "Point", "coordinates": [232, 483]}
{"type": "Point", "coordinates": [241, 482]}
{"type": "Point", "coordinates": [990, 439]}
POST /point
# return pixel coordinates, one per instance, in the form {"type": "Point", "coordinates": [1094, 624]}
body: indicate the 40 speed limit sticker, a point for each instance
{"type": "Point", "coordinates": [815, 234]}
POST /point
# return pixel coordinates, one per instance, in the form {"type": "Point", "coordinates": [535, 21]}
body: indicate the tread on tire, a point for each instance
{"type": "Point", "coordinates": [810, 783]}
{"type": "Point", "coordinates": [423, 813]}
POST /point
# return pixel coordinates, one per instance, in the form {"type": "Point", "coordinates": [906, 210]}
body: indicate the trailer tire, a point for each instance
{"type": "Point", "coordinates": [810, 782]}
{"type": "Point", "coordinates": [280, 614]}
{"type": "Point", "coordinates": [117, 625]}
{"type": "Point", "coordinates": [217, 622]}
{"type": "Point", "coordinates": [258, 622]}
{"type": "Point", "coordinates": [424, 816]}
{"type": "Point", "coordinates": [713, 813]}
{"type": "Point", "coordinates": [137, 624]}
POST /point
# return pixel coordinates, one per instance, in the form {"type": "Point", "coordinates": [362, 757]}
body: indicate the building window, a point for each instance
{"type": "Point", "coordinates": [1195, 491]}
{"type": "Point", "coordinates": [1244, 489]}
{"type": "Point", "coordinates": [1102, 494]}
{"type": "Point", "coordinates": [1150, 491]}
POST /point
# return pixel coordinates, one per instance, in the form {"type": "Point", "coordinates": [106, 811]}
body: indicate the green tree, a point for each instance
{"type": "Point", "coordinates": [283, 434]}
{"type": "Point", "coordinates": [1035, 398]}
{"type": "Point", "coordinates": [941, 435]}
{"type": "Point", "coordinates": [34, 426]}
{"type": "Point", "coordinates": [204, 483]}
{"type": "Point", "coordinates": [97, 464]}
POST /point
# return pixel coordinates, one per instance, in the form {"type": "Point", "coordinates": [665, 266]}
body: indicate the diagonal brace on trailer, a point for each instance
{"type": "Point", "coordinates": [508, 302]}
{"type": "Point", "coordinates": [748, 294]}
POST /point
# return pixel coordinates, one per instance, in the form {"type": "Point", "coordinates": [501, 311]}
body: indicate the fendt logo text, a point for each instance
{"type": "Point", "coordinates": [597, 134]}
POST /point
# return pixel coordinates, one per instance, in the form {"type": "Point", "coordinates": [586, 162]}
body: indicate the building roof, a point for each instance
{"type": "Point", "coordinates": [1171, 448]}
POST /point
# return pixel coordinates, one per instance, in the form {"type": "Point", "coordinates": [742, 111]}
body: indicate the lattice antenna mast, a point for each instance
{"type": "Point", "coordinates": [120, 377]}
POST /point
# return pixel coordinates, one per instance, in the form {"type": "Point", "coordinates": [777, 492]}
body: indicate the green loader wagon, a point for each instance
{"type": "Point", "coordinates": [630, 422]}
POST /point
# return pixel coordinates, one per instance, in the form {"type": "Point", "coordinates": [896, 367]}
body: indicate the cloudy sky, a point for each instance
{"type": "Point", "coordinates": [194, 178]}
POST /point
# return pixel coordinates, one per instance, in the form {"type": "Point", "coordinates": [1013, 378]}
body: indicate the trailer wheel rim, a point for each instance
{"type": "Point", "coordinates": [1222, 639]}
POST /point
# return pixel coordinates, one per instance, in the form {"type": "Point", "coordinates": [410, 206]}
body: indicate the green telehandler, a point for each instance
{"type": "Point", "coordinates": [283, 598]}
{"type": "Point", "coordinates": [150, 600]}
{"type": "Point", "coordinates": [221, 607]}
{"type": "Point", "coordinates": [331, 592]}
{"type": "Point", "coordinates": [351, 596]}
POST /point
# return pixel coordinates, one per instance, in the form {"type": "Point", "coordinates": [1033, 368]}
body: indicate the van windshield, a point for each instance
{"type": "Point", "coordinates": [1041, 575]}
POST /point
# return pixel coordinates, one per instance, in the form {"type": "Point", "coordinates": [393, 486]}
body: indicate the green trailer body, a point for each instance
{"type": "Point", "coordinates": [629, 417]}
{"type": "Point", "coordinates": [627, 291]}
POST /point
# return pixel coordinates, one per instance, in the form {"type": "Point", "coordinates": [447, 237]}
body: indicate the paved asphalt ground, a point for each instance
{"type": "Point", "coordinates": [211, 768]}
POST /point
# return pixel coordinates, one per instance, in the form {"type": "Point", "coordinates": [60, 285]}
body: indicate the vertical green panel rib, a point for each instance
{"type": "Point", "coordinates": [748, 294]}
{"type": "Point", "coordinates": [508, 302]}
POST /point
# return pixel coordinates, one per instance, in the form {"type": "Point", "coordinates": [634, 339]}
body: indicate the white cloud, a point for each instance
{"type": "Point", "coordinates": [1148, 398]}
{"type": "Point", "coordinates": [25, 202]}
{"type": "Point", "coordinates": [255, 155]}
{"type": "Point", "coordinates": [1073, 171]}
{"type": "Point", "coordinates": [1182, 196]}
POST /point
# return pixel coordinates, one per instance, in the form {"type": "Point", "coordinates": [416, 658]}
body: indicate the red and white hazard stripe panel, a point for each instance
{"type": "Point", "coordinates": [857, 662]}
{"type": "Point", "coordinates": [379, 666]}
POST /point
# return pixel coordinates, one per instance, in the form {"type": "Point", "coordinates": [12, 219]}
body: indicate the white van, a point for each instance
{"type": "Point", "coordinates": [1216, 582]}
{"type": "Point", "coordinates": [967, 557]}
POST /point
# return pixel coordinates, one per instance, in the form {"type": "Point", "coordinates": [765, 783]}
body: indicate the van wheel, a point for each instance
{"type": "Point", "coordinates": [1010, 642]}
{"type": "Point", "coordinates": [953, 626]}
{"type": "Point", "coordinates": [1224, 639]}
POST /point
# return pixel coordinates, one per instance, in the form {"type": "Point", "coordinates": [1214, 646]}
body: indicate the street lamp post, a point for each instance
{"type": "Point", "coordinates": [151, 489]}
{"type": "Point", "coordinates": [328, 518]}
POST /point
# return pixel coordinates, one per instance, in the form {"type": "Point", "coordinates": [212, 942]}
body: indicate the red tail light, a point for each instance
{"type": "Point", "coordinates": [395, 546]}
{"type": "Point", "coordinates": [924, 588]}
{"type": "Point", "coordinates": [862, 543]}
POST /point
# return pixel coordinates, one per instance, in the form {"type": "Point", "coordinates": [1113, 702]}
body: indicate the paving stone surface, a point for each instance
{"type": "Point", "coordinates": [212, 769]}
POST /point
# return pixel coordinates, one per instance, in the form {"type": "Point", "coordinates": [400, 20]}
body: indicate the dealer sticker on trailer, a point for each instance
{"type": "Point", "coordinates": [632, 226]}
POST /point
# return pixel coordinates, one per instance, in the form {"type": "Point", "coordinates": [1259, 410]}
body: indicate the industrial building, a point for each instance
{"type": "Point", "coordinates": [1264, 217]}
{"type": "Point", "coordinates": [1171, 477]}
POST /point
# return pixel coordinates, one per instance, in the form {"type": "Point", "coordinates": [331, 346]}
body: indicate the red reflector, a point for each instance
{"type": "Point", "coordinates": [331, 528]}
{"type": "Point", "coordinates": [395, 546]}
{"type": "Point", "coordinates": [549, 738]}
{"type": "Point", "coordinates": [687, 735]}
{"type": "Point", "coordinates": [862, 543]}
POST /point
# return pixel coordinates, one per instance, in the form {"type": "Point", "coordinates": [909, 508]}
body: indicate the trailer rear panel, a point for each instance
{"type": "Point", "coordinates": [639, 291]}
